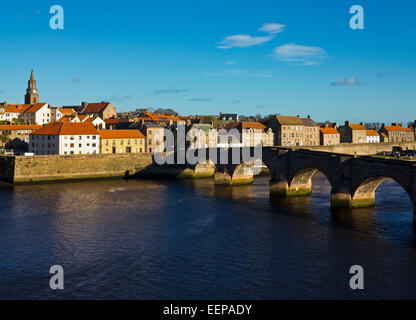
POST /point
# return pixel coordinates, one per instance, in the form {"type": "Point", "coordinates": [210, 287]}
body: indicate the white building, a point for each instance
{"type": "Point", "coordinates": [372, 137]}
{"type": "Point", "coordinates": [65, 138]}
{"type": "Point", "coordinates": [2, 114]}
{"type": "Point", "coordinates": [80, 118]}
{"type": "Point", "coordinates": [37, 113]}
{"type": "Point", "coordinates": [58, 113]}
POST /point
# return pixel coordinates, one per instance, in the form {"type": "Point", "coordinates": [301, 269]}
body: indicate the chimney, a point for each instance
{"type": "Point", "coordinates": [362, 123]}
{"type": "Point", "coordinates": [401, 124]}
{"type": "Point", "coordinates": [84, 104]}
{"type": "Point", "coordinates": [309, 116]}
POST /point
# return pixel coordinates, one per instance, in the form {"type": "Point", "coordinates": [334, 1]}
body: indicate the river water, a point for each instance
{"type": "Point", "coordinates": [142, 239]}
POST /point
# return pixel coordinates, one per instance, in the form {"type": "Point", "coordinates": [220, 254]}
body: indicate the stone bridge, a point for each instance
{"type": "Point", "coordinates": [353, 179]}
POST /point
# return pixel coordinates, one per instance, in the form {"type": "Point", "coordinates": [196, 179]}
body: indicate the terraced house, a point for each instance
{"type": "Point", "coordinates": [329, 136]}
{"type": "Point", "coordinates": [397, 133]}
{"type": "Point", "coordinates": [253, 134]}
{"type": "Point", "coordinates": [353, 133]}
{"type": "Point", "coordinates": [288, 130]}
{"type": "Point", "coordinates": [311, 134]}
{"type": "Point", "coordinates": [122, 141]}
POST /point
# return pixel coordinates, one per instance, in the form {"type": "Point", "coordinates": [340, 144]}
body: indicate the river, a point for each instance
{"type": "Point", "coordinates": [143, 239]}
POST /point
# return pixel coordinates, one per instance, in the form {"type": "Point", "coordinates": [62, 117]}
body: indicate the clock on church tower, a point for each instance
{"type": "Point", "coordinates": [31, 96]}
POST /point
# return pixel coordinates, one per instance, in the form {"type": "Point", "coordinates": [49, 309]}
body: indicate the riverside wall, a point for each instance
{"type": "Point", "coordinates": [20, 169]}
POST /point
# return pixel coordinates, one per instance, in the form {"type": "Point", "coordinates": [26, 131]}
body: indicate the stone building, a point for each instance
{"type": "Point", "coordinates": [104, 110]}
{"type": "Point", "coordinates": [353, 133]}
{"type": "Point", "coordinates": [122, 141]}
{"type": "Point", "coordinates": [383, 137]}
{"type": "Point", "coordinates": [311, 133]}
{"type": "Point", "coordinates": [329, 136]}
{"type": "Point", "coordinates": [153, 132]}
{"type": "Point", "coordinates": [397, 133]}
{"type": "Point", "coordinates": [204, 135]}
{"type": "Point", "coordinates": [288, 130]}
{"type": "Point", "coordinates": [15, 138]}
{"type": "Point", "coordinates": [252, 134]}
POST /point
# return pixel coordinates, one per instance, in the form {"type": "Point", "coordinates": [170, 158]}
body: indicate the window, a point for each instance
{"type": "Point", "coordinates": [94, 137]}
{"type": "Point", "coordinates": [106, 142]}
{"type": "Point", "coordinates": [79, 138]}
{"type": "Point", "coordinates": [135, 142]}
{"type": "Point", "coordinates": [71, 146]}
{"type": "Point", "coordinates": [93, 144]}
{"type": "Point", "coordinates": [80, 145]}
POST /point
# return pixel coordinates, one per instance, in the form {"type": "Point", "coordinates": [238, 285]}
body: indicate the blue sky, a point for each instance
{"type": "Point", "coordinates": [203, 57]}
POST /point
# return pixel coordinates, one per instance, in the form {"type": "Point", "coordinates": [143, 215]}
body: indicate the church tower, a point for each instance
{"type": "Point", "coordinates": [31, 96]}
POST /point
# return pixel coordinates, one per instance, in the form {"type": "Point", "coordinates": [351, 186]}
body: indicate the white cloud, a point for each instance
{"type": "Point", "coordinates": [304, 55]}
{"type": "Point", "coordinates": [346, 82]}
{"type": "Point", "coordinates": [242, 41]}
{"type": "Point", "coordinates": [230, 62]}
{"type": "Point", "coordinates": [273, 28]}
{"type": "Point", "coordinates": [245, 40]}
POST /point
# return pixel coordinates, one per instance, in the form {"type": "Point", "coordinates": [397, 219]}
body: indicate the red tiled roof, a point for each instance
{"type": "Point", "coordinates": [115, 120]}
{"type": "Point", "coordinates": [121, 134]}
{"type": "Point", "coordinates": [66, 111]}
{"type": "Point", "coordinates": [23, 108]}
{"type": "Point", "coordinates": [95, 107]}
{"type": "Point", "coordinates": [371, 133]}
{"type": "Point", "coordinates": [397, 127]}
{"type": "Point", "coordinates": [67, 128]}
{"type": "Point", "coordinates": [20, 127]}
{"type": "Point", "coordinates": [354, 126]}
{"type": "Point", "coordinates": [329, 130]}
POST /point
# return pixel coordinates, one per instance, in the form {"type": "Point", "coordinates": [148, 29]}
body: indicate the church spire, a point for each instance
{"type": "Point", "coordinates": [31, 96]}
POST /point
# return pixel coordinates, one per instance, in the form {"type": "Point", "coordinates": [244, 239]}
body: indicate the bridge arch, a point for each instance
{"type": "Point", "coordinates": [363, 192]}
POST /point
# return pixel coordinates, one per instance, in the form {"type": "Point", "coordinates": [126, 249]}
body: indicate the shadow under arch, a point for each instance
{"type": "Point", "coordinates": [300, 183]}
{"type": "Point", "coordinates": [364, 191]}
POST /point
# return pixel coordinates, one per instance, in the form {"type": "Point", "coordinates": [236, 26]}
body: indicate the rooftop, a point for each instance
{"type": "Point", "coordinates": [121, 134]}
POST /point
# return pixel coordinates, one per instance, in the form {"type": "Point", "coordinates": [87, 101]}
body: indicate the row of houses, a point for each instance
{"type": "Point", "coordinates": [79, 130]}
{"type": "Point", "coordinates": [43, 113]}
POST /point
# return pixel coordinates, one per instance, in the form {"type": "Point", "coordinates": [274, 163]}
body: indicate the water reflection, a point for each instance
{"type": "Point", "coordinates": [192, 239]}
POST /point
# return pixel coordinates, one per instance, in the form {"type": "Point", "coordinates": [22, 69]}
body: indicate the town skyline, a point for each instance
{"type": "Point", "coordinates": [250, 65]}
